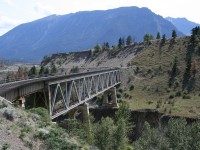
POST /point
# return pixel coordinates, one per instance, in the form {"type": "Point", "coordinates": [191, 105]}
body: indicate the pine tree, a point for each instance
{"type": "Point", "coordinates": [120, 43]}
{"type": "Point", "coordinates": [158, 36]}
{"type": "Point", "coordinates": [42, 69]}
{"type": "Point", "coordinates": [174, 35]}
{"type": "Point", "coordinates": [97, 48]}
{"type": "Point", "coordinates": [148, 38]}
{"type": "Point", "coordinates": [46, 70]}
{"type": "Point", "coordinates": [129, 40]}
{"type": "Point", "coordinates": [163, 39]}
{"type": "Point", "coordinates": [173, 72]}
{"type": "Point", "coordinates": [32, 71]}
{"type": "Point", "coordinates": [54, 69]}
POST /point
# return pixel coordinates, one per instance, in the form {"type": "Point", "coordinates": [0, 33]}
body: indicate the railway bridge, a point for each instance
{"type": "Point", "coordinates": [62, 93]}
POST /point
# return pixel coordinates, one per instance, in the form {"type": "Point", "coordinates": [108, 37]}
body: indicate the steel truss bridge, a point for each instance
{"type": "Point", "coordinates": [61, 93]}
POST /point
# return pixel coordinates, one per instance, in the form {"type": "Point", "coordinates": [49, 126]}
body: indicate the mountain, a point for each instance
{"type": "Point", "coordinates": [79, 31]}
{"type": "Point", "coordinates": [183, 24]}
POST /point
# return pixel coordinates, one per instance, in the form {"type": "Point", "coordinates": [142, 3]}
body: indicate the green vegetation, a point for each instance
{"type": "Point", "coordinates": [148, 38]}
{"type": "Point", "coordinates": [178, 135]}
{"type": "Point", "coordinates": [165, 71]}
{"type": "Point", "coordinates": [158, 36]}
{"type": "Point", "coordinates": [32, 71]}
{"type": "Point", "coordinates": [5, 146]}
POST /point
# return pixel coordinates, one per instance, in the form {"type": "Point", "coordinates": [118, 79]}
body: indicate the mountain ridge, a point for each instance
{"type": "Point", "coordinates": [80, 31]}
{"type": "Point", "coordinates": [183, 24]}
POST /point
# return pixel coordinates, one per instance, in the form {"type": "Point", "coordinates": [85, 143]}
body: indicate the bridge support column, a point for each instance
{"type": "Point", "coordinates": [22, 101]}
{"type": "Point", "coordinates": [113, 102]}
{"type": "Point", "coordinates": [84, 108]}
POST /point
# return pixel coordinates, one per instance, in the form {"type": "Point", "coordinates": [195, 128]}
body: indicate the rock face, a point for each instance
{"type": "Point", "coordinates": [89, 59]}
{"type": "Point", "coordinates": [31, 41]}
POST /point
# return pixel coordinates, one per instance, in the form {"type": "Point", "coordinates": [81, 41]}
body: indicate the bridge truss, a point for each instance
{"type": "Point", "coordinates": [67, 94]}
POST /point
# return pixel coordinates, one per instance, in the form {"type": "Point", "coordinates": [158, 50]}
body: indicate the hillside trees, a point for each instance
{"type": "Point", "coordinates": [97, 48]}
{"type": "Point", "coordinates": [174, 35]}
{"type": "Point", "coordinates": [173, 73]}
{"type": "Point", "coordinates": [178, 135]}
{"type": "Point", "coordinates": [163, 39]}
{"type": "Point", "coordinates": [113, 134]}
{"type": "Point", "coordinates": [148, 38]}
{"type": "Point", "coordinates": [32, 71]}
{"type": "Point", "coordinates": [195, 37]}
{"type": "Point", "coordinates": [129, 40]}
{"type": "Point", "coordinates": [191, 65]}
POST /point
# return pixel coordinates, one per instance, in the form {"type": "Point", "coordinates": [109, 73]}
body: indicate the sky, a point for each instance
{"type": "Point", "coordinates": [15, 12]}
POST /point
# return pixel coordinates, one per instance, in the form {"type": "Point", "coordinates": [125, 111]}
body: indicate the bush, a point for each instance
{"type": "Point", "coordinates": [149, 102]}
{"type": "Point", "coordinates": [56, 140]}
{"type": "Point", "coordinates": [171, 96]}
{"type": "Point", "coordinates": [178, 94]}
{"type": "Point", "coordinates": [45, 118]}
{"type": "Point", "coordinates": [120, 90]}
{"type": "Point", "coordinates": [41, 133]}
{"type": "Point", "coordinates": [5, 146]}
{"type": "Point", "coordinates": [9, 113]}
{"type": "Point", "coordinates": [3, 104]}
{"type": "Point", "coordinates": [131, 87]}
{"type": "Point", "coordinates": [186, 97]}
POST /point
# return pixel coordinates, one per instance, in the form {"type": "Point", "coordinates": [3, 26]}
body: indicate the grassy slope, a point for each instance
{"type": "Point", "coordinates": [151, 81]}
{"type": "Point", "coordinates": [21, 129]}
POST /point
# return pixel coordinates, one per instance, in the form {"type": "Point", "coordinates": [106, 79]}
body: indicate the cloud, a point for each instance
{"type": "Point", "coordinates": [10, 2]}
{"type": "Point", "coordinates": [6, 22]}
{"type": "Point", "coordinates": [44, 10]}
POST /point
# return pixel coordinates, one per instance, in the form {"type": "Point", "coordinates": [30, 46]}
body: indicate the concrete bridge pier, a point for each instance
{"type": "Point", "coordinates": [84, 109]}
{"type": "Point", "coordinates": [113, 102]}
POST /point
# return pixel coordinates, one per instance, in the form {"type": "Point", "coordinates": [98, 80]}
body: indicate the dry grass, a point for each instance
{"type": "Point", "coordinates": [154, 64]}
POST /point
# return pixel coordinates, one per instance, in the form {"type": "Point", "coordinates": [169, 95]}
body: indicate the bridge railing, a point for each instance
{"type": "Point", "coordinates": [28, 77]}
{"type": "Point", "coordinates": [81, 70]}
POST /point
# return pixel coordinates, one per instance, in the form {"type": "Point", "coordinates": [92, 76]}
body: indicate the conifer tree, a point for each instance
{"type": "Point", "coordinates": [174, 35]}
{"type": "Point", "coordinates": [158, 36]}
{"type": "Point", "coordinates": [129, 40]}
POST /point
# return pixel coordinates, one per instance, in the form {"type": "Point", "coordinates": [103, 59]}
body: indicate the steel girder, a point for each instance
{"type": "Point", "coordinates": [65, 95]}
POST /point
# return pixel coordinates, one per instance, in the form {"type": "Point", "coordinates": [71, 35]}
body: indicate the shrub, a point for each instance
{"type": "Point", "coordinates": [5, 146]}
{"type": "Point", "coordinates": [186, 97]}
{"type": "Point", "coordinates": [9, 113]}
{"type": "Point", "coordinates": [120, 90]}
{"type": "Point", "coordinates": [56, 140]}
{"type": "Point", "coordinates": [45, 118]}
{"type": "Point", "coordinates": [149, 102]}
{"type": "Point", "coordinates": [159, 103]}
{"type": "Point", "coordinates": [131, 87]}
{"type": "Point", "coordinates": [41, 133]}
{"type": "Point", "coordinates": [171, 96]}
{"type": "Point", "coordinates": [3, 104]}
{"type": "Point", "coordinates": [178, 94]}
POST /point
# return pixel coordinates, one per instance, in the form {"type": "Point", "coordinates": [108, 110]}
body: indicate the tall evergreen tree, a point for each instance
{"type": "Point", "coordinates": [120, 43]}
{"type": "Point", "coordinates": [97, 48]}
{"type": "Point", "coordinates": [163, 39]}
{"type": "Point", "coordinates": [173, 72]}
{"type": "Point", "coordinates": [54, 68]}
{"type": "Point", "coordinates": [32, 71]}
{"type": "Point", "coordinates": [174, 35]}
{"type": "Point", "coordinates": [129, 40]}
{"type": "Point", "coordinates": [148, 38]}
{"type": "Point", "coordinates": [158, 36]}
{"type": "Point", "coordinates": [42, 69]}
